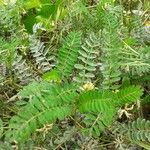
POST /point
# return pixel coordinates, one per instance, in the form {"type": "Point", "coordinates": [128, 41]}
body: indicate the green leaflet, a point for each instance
{"type": "Point", "coordinates": [128, 95]}
{"type": "Point", "coordinates": [95, 101]}
{"type": "Point", "coordinates": [52, 76]}
{"type": "Point", "coordinates": [68, 53]}
{"type": "Point", "coordinates": [111, 48]}
{"type": "Point", "coordinates": [100, 111]}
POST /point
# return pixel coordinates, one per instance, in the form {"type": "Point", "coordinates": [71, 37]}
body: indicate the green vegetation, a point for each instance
{"type": "Point", "coordinates": [74, 75]}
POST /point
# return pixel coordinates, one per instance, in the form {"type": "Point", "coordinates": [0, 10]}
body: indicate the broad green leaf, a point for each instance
{"type": "Point", "coordinates": [52, 76]}
{"type": "Point", "coordinates": [32, 4]}
{"type": "Point", "coordinates": [29, 21]}
{"type": "Point", "coordinates": [46, 10]}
